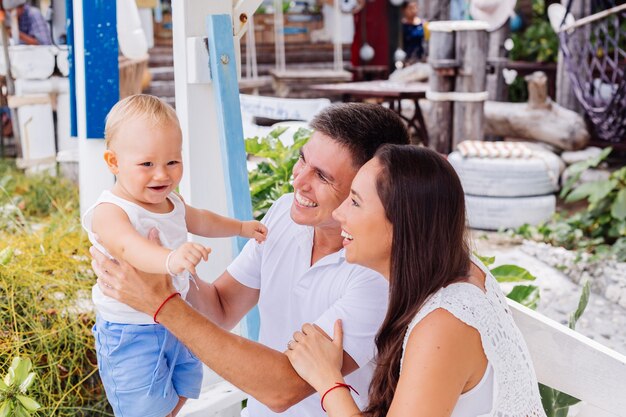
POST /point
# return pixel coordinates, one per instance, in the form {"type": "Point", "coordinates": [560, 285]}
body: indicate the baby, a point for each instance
{"type": "Point", "coordinates": [145, 370]}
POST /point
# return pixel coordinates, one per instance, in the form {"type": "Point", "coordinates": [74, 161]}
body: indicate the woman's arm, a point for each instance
{"type": "Point", "coordinates": [443, 359]}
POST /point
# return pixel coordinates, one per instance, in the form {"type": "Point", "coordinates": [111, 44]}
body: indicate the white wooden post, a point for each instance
{"type": "Point", "coordinates": [94, 84]}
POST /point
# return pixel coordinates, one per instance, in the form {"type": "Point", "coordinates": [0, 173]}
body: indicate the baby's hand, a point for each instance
{"type": "Point", "coordinates": [186, 257]}
{"type": "Point", "coordinates": [254, 229]}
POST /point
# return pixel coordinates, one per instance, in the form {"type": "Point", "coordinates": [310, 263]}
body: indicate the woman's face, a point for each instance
{"type": "Point", "coordinates": [366, 230]}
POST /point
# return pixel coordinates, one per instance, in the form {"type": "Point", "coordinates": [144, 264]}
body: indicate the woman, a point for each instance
{"type": "Point", "coordinates": [448, 345]}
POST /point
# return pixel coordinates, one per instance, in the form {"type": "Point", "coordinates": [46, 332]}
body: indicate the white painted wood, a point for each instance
{"type": "Point", "coordinates": [145, 15]}
{"type": "Point", "coordinates": [93, 173]}
{"type": "Point", "coordinates": [203, 179]}
{"type": "Point", "coordinates": [573, 363]}
{"type": "Point", "coordinates": [197, 58]}
{"type": "Point", "coordinates": [220, 399]}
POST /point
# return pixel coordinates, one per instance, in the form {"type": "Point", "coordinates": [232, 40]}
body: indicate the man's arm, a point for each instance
{"type": "Point", "coordinates": [260, 371]}
{"type": "Point", "coordinates": [225, 302]}
{"type": "Point", "coordinates": [264, 373]}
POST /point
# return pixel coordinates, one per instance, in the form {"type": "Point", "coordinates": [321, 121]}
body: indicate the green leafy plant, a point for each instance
{"type": "Point", "coordinates": [13, 387]}
{"type": "Point", "coordinates": [45, 283]}
{"type": "Point", "coordinates": [538, 42]}
{"type": "Point", "coordinates": [599, 228]}
{"type": "Point", "coordinates": [557, 403]}
{"type": "Point", "coordinates": [272, 177]}
{"type": "Point", "coordinates": [527, 295]}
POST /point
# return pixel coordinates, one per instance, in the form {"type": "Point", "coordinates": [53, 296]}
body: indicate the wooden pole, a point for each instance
{"type": "Point", "coordinates": [497, 59]}
{"type": "Point", "coordinates": [471, 50]}
{"type": "Point", "coordinates": [441, 80]}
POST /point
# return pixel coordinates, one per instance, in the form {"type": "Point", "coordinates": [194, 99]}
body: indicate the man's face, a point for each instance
{"type": "Point", "coordinates": [321, 181]}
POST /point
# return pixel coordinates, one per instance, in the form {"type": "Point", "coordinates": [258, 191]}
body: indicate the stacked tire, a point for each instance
{"type": "Point", "coordinates": [503, 193]}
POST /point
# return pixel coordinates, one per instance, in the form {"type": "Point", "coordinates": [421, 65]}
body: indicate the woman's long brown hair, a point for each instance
{"type": "Point", "coordinates": [423, 199]}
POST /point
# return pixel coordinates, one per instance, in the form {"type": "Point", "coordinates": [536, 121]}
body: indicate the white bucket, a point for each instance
{"type": "Point", "coordinates": [30, 61]}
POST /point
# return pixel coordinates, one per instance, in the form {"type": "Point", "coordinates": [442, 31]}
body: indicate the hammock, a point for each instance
{"type": "Point", "coordinates": [594, 49]}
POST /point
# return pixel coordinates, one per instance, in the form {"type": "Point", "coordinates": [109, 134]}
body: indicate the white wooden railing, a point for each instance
{"type": "Point", "coordinates": [563, 359]}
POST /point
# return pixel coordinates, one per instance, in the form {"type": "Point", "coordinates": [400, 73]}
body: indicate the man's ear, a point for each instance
{"type": "Point", "coordinates": [111, 159]}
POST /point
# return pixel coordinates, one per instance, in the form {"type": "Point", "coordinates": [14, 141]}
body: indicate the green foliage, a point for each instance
{"type": "Point", "coordinates": [45, 283]}
{"type": "Point", "coordinates": [600, 228]}
{"type": "Point", "coordinates": [538, 42]}
{"type": "Point", "coordinates": [556, 403]}
{"type": "Point", "coordinates": [527, 295]}
{"type": "Point", "coordinates": [272, 178]}
{"type": "Point", "coordinates": [13, 387]}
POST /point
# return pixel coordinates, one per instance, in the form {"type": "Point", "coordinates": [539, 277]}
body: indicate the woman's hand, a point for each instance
{"type": "Point", "coordinates": [119, 280]}
{"type": "Point", "coordinates": [316, 358]}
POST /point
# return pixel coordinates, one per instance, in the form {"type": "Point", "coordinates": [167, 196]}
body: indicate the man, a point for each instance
{"type": "Point", "coordinates": [298, 275]}
{"type": "Point", "coordinates": [34, 29]}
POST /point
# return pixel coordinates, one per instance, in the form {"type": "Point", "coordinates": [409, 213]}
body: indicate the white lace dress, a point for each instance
{"type": "Point", "coordinates": [515, 391]}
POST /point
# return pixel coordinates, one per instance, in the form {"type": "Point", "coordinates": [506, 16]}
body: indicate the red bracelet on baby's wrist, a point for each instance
{"type": "Point", "coordinates": [169, 297]}
{"type": "Point", "coordinates": [337, 385]}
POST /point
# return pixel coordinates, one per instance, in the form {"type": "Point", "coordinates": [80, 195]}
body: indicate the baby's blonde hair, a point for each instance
{"type": "Point", "coordinates": [138, 106]}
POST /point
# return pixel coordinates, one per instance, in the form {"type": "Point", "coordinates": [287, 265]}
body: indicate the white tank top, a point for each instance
{"type": "Point", "coordinates": [509, 386]}
{"type": "Point", "coordinates": [172, 229]}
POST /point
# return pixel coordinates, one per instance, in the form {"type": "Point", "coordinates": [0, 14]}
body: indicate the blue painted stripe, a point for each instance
{"type": "Point", "coordinates": [102, 83]}
{"type": "Point", "coordinates": [223, 66]}
{"type": "Point", "coordinates": [69, 9]}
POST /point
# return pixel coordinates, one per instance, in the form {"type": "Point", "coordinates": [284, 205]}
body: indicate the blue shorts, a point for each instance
{"type": "Point", "coordinates": [144, 368]}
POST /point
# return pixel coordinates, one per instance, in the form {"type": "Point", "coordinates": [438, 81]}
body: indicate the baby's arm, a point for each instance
{"type": "Point", "coordinates": [209, 224]}
{"type": "Point", "coordinates": [120, 238]}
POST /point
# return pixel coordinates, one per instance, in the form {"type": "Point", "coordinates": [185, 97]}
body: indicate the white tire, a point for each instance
{"type": "Point", "coordinates": [508, 177]}
{"type": "Point", "coordinates": [493, 213]}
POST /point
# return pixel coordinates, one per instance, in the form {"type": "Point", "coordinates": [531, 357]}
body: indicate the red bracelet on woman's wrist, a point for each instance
{"type": "Point", "coordinates": [337, 385]}
{"type": "Point", "coordinates": [169, 297]}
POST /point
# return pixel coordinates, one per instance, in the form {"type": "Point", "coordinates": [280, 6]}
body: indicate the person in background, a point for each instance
{"type": "Point", "coordinates": [34, 29]}
{"type": "Point", "coordinates": [413, 32]}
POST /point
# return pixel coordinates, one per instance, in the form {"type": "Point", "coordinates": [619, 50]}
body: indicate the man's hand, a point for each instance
{"type": "Point", "coordinates": [254, 229]}
{"type": "Point", "coordinates": [119, 280]}
{"type": "Point", "coordinates": [186, 257]}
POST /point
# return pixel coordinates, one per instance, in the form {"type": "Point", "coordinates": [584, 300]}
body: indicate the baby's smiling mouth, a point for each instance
{"type": "Point", "coordinates": [158, 187]}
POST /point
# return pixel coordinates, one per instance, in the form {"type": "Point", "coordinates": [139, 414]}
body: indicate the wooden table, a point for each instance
{"type": "Point", "coordinates": [388, 91]}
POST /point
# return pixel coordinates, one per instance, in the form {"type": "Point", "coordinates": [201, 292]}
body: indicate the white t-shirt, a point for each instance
{"type": "Point", "coordinates": [172, 229]}
{"type": "Point", "coordinates": [293, 293]}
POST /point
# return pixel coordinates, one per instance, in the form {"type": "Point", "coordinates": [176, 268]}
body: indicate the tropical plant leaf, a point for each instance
{"type": "Point", "coordinates": [602, 189]}
{"type": "Point", "coordinates": [547, 395]}
{"type": "Point", "coordinates": [582, 305]}
{"type": "Point", "coordinates": [27, 382]}
{"type": "Point", "coordinates": [21, 368]}
{"type": "Point", "coordinates": [563, 400]}
{"type": "Point", "coordinates": [486, 260]}
{"type": "Point", "coordinates": [511, 273]}
{"type": "Point", "coordinates": [28, 403]}
{"type": "Point", "coordinates": [5, 409]}
{"type": "Point", "coordinates": [582, 191]}
{"type": "Point", "coordinates": [618, 208]}
{"type": "Point", "coordinates": [527, 295]}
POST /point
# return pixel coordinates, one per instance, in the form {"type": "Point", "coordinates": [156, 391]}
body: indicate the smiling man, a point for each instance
{"type": "Point", "coordinates": [298, 275]}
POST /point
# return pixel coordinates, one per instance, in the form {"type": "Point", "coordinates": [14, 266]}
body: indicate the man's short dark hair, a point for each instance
{"type": "Point", "coordinates": [361, 127]}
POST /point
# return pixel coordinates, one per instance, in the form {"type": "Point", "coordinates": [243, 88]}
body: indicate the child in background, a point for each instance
{"type": "Point", "coordinates": [145, 370]}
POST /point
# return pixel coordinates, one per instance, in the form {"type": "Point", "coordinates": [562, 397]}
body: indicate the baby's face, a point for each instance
{"type": "Point", "coordinates": [149, 160]}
